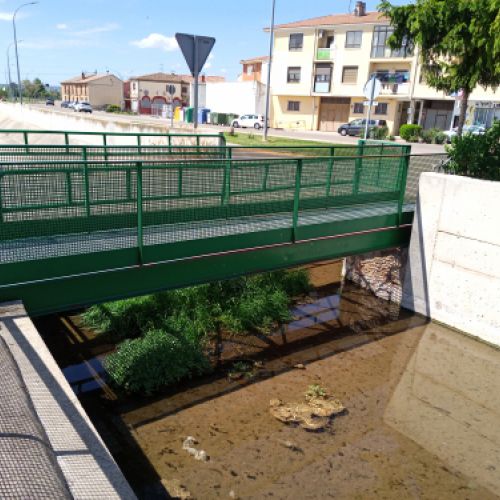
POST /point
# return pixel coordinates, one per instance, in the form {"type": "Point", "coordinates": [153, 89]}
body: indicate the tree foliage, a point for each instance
{"type": "Point", "coordinates": [458, 40]}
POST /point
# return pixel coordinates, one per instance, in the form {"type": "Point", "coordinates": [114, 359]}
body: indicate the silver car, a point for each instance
{"type": "Point", "coordinates": [468, 129]}
{"type": "Point", "coordinates": [83, 107]}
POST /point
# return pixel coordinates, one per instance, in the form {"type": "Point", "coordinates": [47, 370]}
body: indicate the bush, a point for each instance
{"type": "Point", "coordinates": [379, 133]}
{"type": "Point", "coordinates": [433, 136]}
{"type": "Point", "coordinates": [113, 108]}
{"type": "Point", "coordinates": [476, 155]}
{"type": "Point", "coordinates": [156, 360]}
{"type": "Point", "coordinates": [409, 132]}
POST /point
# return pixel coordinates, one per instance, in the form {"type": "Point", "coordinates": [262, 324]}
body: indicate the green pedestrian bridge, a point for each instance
{"type": "Point", "coordinates": [120, 215]}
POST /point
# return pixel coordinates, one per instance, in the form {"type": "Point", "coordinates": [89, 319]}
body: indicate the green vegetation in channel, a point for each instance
{"type": "Point", "coordinates": [179, 323]}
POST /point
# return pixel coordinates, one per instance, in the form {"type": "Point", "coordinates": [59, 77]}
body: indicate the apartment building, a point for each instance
{"type": "Point", "coordinates": [254, 69]}
{"type": "Point", "coordinates": [321, 65]}
{"type": "Point", "coordinates": [98, 89]}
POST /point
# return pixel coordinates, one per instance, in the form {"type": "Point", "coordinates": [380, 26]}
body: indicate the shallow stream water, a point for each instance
{"type": "Point", "coordinates": [422, 419]}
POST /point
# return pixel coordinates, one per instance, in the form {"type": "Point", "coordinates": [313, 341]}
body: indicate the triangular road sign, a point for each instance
{"type": "Point", "coordinates": [195, 49]}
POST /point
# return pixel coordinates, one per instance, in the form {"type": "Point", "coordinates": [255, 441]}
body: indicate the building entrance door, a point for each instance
{"type": "Point", "coordinates": [334, 111]}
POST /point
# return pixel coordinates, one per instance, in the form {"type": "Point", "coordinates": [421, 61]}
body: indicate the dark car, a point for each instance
{"type": "Point", "coordinates": [357, 127]}
{"type": "Point", "coordinates": [65, 104]}
{"type": "Point", "coordinates": [49, 102]}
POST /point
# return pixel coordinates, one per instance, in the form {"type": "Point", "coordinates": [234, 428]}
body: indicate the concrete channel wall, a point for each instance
{"type": "Point", "coordinates": [61, 446]}
{"type": "Point", "coordinates": [451, 272]}
{"type": "Point", "coordinates": [17, 116]}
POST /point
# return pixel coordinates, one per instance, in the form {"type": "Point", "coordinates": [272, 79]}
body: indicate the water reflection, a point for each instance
{"type": "Point", "coordinates": [86, 376]}
{"type": "Point", "coordinates": [448, 401]}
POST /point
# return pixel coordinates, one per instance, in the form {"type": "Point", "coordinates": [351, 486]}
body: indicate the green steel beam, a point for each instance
{"type": "Point", "coordinates": [57, 295]}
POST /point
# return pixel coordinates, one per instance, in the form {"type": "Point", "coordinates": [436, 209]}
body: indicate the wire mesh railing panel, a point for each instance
{"type": "Point", "coordinates": [55, 208]}
{"type": "Point", "coordinates": [418, 165]}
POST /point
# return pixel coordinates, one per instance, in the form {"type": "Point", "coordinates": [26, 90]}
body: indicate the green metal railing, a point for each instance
{"type": "Point", "coordinates": [104, 137]}
{"type": "Point", "coordinates": [40, 199]}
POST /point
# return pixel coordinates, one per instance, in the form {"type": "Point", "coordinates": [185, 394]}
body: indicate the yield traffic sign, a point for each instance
{"type": "Point", "coordinates": [195, 49]}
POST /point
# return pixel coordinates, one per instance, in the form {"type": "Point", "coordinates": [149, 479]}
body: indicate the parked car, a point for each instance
{"type": "Point", "coordinates": [357, 127]}
{"type": "Point", "coordinates": [49, 102]}
{"type": "Point", "coordinates": [83, 107]}
{"type": "Point", "coordinates": [248, 121]}
{"type": "Point", "coordinates": [65, 104]}
{"type": "Point", "coordinates": [468, 129]}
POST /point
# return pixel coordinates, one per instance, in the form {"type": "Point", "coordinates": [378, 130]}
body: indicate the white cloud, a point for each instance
{"type": "Point", "coordinates": [157, 41]}
{"type": "Point", "coordinates": [98, 29]}
{"type": "Point", "coordinates": [208, 64]}
{"type": "Point", "coordinates": [223, 70]}
{"type": "Point", "coordinates": [62, 26]}
{"type": "Point", "coordinates": [7, 16]}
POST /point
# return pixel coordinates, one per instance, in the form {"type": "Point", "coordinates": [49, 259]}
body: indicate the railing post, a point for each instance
{"type": "Point", "coordinates": [169, 143]}
{"type": "Point", "coordinates": [66, 138]}
{"type": "Point", "coordinates": [105, 144]}
{"type": "Point", "coordinates": [26, 143]}
{"type": "Point", "coordinates": [86, 180]}
{"type": "Point", "coordinates": [1, 202]}
{"type": "Point", "coordinates": [140, 233]}
{"type": "Point", "coordinates": [296, 200]}
{"type": "Point", "coordinates": [197, 144]}
{"type": "Point", "coordinates": [226, 186]}
{"type": "Point", "coordinates": [222, 140]}
{"type": "Point", "coordinates": [358, 166]}
{"type": "Point", "coordinates": [329, 172]}
{"type": "Point", "coordinates": [139, 144]}
{"type": "Point", "coordinates": [404, 167]}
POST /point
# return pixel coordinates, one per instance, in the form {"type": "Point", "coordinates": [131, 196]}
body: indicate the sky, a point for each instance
{"type": "Point", "coordinates": [62, 38]}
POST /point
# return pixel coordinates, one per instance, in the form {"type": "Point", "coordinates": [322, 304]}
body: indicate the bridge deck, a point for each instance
{"type": "Point", "coordinates": [99, 241]}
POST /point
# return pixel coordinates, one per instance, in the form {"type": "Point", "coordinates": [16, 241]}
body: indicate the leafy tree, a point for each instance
{"type": "Point", "coordinates": [458, 41]}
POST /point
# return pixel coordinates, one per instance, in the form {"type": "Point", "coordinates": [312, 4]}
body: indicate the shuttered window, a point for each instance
{"type": "Point", "coordinates": [350, 74]}
{"type": "Point", "coordinates": [293, 75]}
{"type": "Point", "coordinates": [293, 106]}
{"type": "Point", "coordinates": [359, 108]}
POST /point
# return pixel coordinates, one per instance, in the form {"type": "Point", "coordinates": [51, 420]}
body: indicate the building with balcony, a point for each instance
{"type": "Point", "coordinates": [321, 65]}
{"type": "Point", "coordinates": [98, 89]}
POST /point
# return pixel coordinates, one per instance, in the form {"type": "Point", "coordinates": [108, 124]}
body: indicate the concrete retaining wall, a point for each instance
{"type": "Point", "coordinates": [49, 119]}
{"type": "Point", "coordinates": [453, 271]}
{"type": "Point", "coordinates": [82, 457]}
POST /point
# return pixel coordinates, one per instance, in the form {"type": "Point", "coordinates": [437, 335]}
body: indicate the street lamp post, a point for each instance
{"type": "Point", "coordinates": [19, 88]}
{"type": "Point", "coordinates": [9, 77]}
{"type": "Point", "coordinates": [268, 89]}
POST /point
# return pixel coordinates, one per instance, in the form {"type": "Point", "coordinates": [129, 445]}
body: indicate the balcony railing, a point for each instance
{"type": "Point", "coordinates": [395, 89]}
{"type": "Point", "coordinates": [325, 54]}
{"type": "Point", "coordinates": [322, 87]}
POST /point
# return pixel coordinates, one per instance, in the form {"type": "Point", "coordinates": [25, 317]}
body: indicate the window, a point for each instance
{"type": "Point", "coordinates": [379, 43]}
{"type": "Point", "coordinates": [359, 108]}
{"type": "Point", "coordinates": [380, 47]}
{"type": "Point", "coordinates": [350, 74]}
{"type": "Point", "coordinates": [296, 41]}
{"type": "Point", "coordinates": [184, 89]}
{"type": "Point", "coordinates": [381, 108]}
{"type": "Point", "coordinates": [293, 106]}
{"type": "Point", "coordinates": [293, 75]}
{"type": "Point", "coordinates": [322, 78]}
{"type": "Point", "coordinates": [353, 39]}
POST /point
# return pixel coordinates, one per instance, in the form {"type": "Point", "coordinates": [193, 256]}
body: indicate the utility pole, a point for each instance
{"type": "Point", "coordinates": [19, 89]}
{"type": "Point", "coordinates": [268, 89]}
